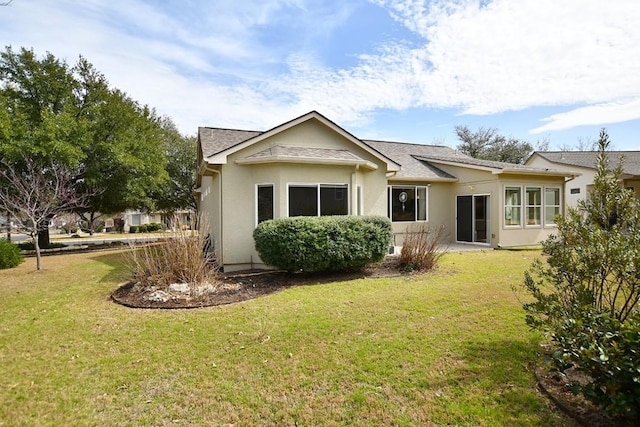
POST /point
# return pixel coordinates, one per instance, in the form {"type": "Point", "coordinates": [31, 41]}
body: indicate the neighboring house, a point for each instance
{"type": "Point", "coordinates": [311, 166]}
{"type": "Point", "coordinates": [136, 217]}
{"type": "Point", "coordinates": [583, 164]}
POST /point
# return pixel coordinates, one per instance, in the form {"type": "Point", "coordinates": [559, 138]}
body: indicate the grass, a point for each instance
{"type": "Point", "coordinates": [447, 348]}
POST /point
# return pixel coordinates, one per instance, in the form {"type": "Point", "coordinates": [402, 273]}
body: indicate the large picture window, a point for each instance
{"type": "Point", "coordinates": [512, 205]}
{"type": "Point", "coordinates": [408, 203]}
{"type": "Point", "coordinates": [533, 207]}
{"type": "Point", "coordinates": [552, 205]}
{"type": "Point", "coordinates": [264, 202]}
{"type": "Point", "coordinates": [318, 199]}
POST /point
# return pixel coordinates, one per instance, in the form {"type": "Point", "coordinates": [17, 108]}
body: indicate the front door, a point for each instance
{"type": "Point", "coordinates": [472, 219]}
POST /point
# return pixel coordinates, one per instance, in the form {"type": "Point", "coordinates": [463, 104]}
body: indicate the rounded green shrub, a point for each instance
{"type": "Point", "coordinates": [133, 229]}
{"type": "Point", "coordinates": [10, 255]}
{"type": "Point", "coordinates": [328, 243]}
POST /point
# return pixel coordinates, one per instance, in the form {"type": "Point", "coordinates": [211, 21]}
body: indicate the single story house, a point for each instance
{"type": "Point", "coordinates": [583, 164]}
{"type": "Point", "coordinates": [312, 166]}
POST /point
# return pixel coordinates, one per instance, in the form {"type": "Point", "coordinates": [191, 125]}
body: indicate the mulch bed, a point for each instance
{"type": "Point", "coordinates": [241, 286]}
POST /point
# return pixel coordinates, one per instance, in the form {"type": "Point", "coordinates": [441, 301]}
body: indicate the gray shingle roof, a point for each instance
{"type": "Point", "coordinates": [418, 161]}
{"type": "Point", "coordinates": [306, 152]}
{"type": "Point", "coordinates": [587, 159]}
{"type": "Point", "coordinates": [405, 154]}
{"type": "Point", "coordinates": [216, 140]}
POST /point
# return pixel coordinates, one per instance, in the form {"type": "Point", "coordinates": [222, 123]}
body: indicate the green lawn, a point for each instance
{"type": "Point", "coordinates": [447, 348]}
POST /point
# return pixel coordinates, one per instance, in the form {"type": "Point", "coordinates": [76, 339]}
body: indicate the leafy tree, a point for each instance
{"type": "Point", "coordinates": [488, 144]}
{"type": "Point", "coordinates": [69, 116]}
{"type": "Point", "coordinates": [587, 294]}
{"type": "Point", "coordinates": [180, 152]}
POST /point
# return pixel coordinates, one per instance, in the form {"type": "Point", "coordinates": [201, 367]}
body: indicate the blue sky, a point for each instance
{"type": "Point", "coordinates": [383, 69]}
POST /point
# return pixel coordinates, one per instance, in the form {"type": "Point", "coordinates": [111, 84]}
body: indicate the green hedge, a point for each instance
{"type": "Point", "coordinates": [327, 243]}
{"type": "Point", "coordinates": [146, 228]}
{"type": "Point", "coordinates": [10, 255]}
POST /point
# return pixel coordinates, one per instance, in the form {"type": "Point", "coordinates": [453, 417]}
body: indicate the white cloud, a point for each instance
{"type": "Point", "coordinates": [255, 64]}
{"type": "Point", "coordinates": [598, 114]}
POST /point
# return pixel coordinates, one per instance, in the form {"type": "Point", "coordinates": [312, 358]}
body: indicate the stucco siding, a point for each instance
{"type": "Point", "coordinates": [239, 186]}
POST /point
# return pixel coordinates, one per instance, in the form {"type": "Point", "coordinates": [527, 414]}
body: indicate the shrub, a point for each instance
{"type": "Point", "coordinates": [605, 349]}
{"type": "Point", "coordinates": [133, 229]}
{"type": "Point", "coordinates": [586, 296]}
{"type": "Point", "coordinates": [422, 247]}
{"type": "Point", "coordinates": [154, 226]}
{"type": "Point", "coordinates": [326, 243]}
{"type": "Point", "coordinates": [180, 259]}
{"type": "Point", "coordinates": [10, 255]}
{"type": "Point", "coordinates": [143, 228]}
{"type": "Point", "coordinates": [30, 246]}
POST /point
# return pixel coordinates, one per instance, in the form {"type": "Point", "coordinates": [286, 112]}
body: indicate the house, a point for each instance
{"type": "Point", "coordinates": [137, 217]}
{"type": "Point", "coordinates": [312, 166]}
{"type": "Point", "coordinates": [583, 164]}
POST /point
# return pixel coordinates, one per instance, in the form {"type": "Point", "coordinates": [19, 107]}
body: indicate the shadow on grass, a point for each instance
{"type": "Point", "coordinates": [504, 371]}
{"type": "Point", "coordinates": [119, 271]}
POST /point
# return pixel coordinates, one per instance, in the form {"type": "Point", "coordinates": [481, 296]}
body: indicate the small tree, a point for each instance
{"type": "Point", "coordinates": [33, 195]}
{"type": "Point", "coordinates": [586, 295]}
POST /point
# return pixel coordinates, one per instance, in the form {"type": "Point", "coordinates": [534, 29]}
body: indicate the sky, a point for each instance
{"type": "Point", "coordinates": [537, 70]}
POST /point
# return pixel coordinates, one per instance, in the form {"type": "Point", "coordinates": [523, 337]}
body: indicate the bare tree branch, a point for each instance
{"type": "Point", "coordinates": [33, 195]}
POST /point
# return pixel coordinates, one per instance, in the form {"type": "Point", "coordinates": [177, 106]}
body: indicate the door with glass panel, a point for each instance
{"type": "Point", "coordinates": [472, 219]}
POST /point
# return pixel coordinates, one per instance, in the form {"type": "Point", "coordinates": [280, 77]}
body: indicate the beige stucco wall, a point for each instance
{"type": "Point", "coordinates": [476, 182]}
{"type": "Point", "coordinates": [579, 184]}
{"type": "Point", "coordinates": [239, 187]}
{"type": "Point", "coordinates": [438, 209]}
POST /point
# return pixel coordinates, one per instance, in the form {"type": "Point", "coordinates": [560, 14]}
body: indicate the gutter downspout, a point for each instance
{"type": "Point", "coordinates": [564, 193]}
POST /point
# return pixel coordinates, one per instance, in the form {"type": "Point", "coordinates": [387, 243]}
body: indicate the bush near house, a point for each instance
{"type": "Point", "coordinates": [328, 243]}
{"type": "Point", "coordinates": [10, 255]}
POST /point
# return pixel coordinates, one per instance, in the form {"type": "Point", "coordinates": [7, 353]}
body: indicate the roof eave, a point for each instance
{"type": "Point", "coordinates": [422, 179]}
{"type": "Point", "coordinates": [516, 171]}
{"type": "Point", "coordinates": [307, 160]}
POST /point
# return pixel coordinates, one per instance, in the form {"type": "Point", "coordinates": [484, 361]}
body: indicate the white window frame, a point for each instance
{"type": "Point", "coordinates": [549, 222]}
{"type": "Point", "coordinates": [505, 206]}
{"type": "Point", "coordinates": [273, 196]}
{"type": "Point", "coordinates": [318, 186]}
{"type": "Point", "coordinates": [540, 207]}
{"type": "Point", "coordinates": [415, 198]}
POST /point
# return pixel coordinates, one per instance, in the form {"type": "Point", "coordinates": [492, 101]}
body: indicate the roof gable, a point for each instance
{"type": "Point", "coordinates": [231, 141]}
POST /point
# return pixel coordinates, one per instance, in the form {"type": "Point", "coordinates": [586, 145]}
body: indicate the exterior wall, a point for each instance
{"type": "Point", "coordinates": [579, 185]}
{"type": "Point", "coordinates": [523, 234]}
{"type": "Point", "coordinates": [239, 183]}
{"type": "Point", "coordinates": [209, 209]}
{"type": "Point", "coordinates": [438, 209]}
{"type": "Point", "coordinates": [475, 182]}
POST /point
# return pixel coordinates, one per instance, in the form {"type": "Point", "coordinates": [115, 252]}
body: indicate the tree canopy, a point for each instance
{"type": "Point", "coordinates": [489, 144]}
{"type": "Point", "coordinates": [117, 149]}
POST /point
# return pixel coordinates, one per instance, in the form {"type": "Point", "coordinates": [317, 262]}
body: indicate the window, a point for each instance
{"type": "Point", "coordinates": [408, 203]}
{"type": "Point", "coordinates": [323, 199]}
{"type": "Point", "coordinates": [264, 202]}
{"type": "Point", "coordinates": [512, 205]}
{"type": "Point", "coordinates": [551, 205]}
{"type": "Point", "coordinates": [575, 191]}
{"type": "Point", "coordinates": [533, 206]}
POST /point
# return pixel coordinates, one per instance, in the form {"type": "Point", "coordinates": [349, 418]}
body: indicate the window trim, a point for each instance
{"type": "Point", "coordinates": [504, 206]}
{"type": "Point", "coordinates": [273, 200]}
{"type": "Point", "coordinates": [559, 205]}
{"type": "Point", "coordinates": [318, 186]}
{"type": "Point", "coordinates": [527, 206]}
{"type": "Point", "coordinates": [415, 198]}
